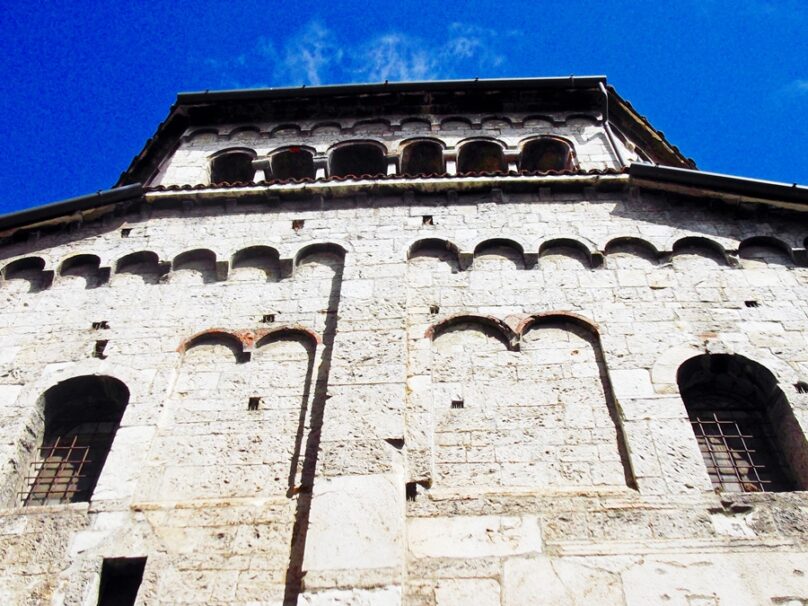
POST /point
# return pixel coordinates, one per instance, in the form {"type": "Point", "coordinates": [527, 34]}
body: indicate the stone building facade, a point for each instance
{"type": "Point", "coordinates": [434, 344]}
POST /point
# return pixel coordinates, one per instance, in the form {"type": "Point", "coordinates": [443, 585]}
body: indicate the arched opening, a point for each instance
{"type": "Point", "coordinates": [481, 157]}
{"type": "Point", "coordinates": [744, 426]}
{"type": "Point", "coordinates": [29, 269]}
{"type": "Point", "coordinates": [194, 266]}
{"type": "Point", "coordinates": [697, 251]}
{"type": "Point", "coordinates": [432, 252]}
{"type": "Point", "coordinates": [422, 158]}
{"type": "Point", "coordinates": [256, 263]}
{"type": "Point", "coordinates": [564, 253]}
{"type": "Point", "coordinates": [630, 253]}
{"type": "Point", "coordinates": [81, 417]}
{"type": "Point", "coordinates": [292, 163]}
{"type": "Point", "coordinates": [546, 154]}
{"type": "Point", "coordinates": [358, 159]}
{"type": "Point", "coordinates": [761, 251]}
{"type": "Point", "coordinates": [145, 264]}
{"type": "Point", "coordinates": [498, 254]}
{"type": "Point", "coordinates": [214, 346]}
{"type": "Point", "coordinates": [232, 167]}
{"type": "Point", "coordinates": [85, 267]}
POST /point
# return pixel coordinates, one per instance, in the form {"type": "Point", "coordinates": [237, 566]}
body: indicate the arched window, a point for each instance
{"type": "Point", "coordinates": [481, 157]}
{"type": "Point", "coordinates": [742, 422]}
{"type": "Point", "coordinates": [292, 163]}
{"type": "Point", "coordinates": [81, 418]}
{"type": "Point", "coordinates": [232, 167]}
{"type": "Point", "coordinates": [422, 158]}
{"type": "Point", "coordinates": [546, 154]}
{"type": "Point", "coordinates": [358, 159]}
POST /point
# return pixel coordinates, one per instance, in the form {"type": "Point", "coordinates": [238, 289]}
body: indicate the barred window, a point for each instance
{"type": "Point", "coordinates": [81, 418]}
{"type": "Point", "coordinates": [742, 423]}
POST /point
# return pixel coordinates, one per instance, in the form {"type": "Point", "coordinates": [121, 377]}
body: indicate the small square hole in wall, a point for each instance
{"type": "Point", "coordinates": [101, 325]}
{"type": "Point", "coordinates": [751, 303]}
{"type": "Point", "coordinates": [801, 387]}
{"type": "Point", "coordinates": [297, 224]}
{"type": "Point", "coordinates": [457, 404]}
{"type": "Point", "coordinates": [411, 490]}
{"type": "Point", "coordinates": [268, 318]}
{"type": "Point", "coordinates": [427, 220]}
{"type": "Point", "coordinates": [125, 232]}
{"type": "Point", "coordinates": [100, 346]}
{"type": "Point", "coordinates": [434, 309]}
{"type": "Point", "coordinates": [254, 403]}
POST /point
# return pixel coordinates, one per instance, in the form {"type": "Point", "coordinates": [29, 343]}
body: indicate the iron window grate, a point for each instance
{"type": "Point", "coordinates": [737, 451]}
{"type": "Point", "coordinates": [68, 465]}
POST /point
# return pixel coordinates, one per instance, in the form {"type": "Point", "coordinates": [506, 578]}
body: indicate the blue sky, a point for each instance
{"type": "Point", "coordinates": [83, 85]}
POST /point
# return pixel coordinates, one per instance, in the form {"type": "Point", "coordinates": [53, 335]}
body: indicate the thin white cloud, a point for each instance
{"type": "Point", "coordinates": [315, 55]}
{"type": "Point", "coordinates": [796, 88]}
{"type": "Point", "coordinates": [394, 57]}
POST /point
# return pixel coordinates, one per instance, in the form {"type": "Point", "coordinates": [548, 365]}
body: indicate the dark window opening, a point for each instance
{"type": "Point", "coordinates": [801, 387]}
{"type": "Point", "coordinates": [232, 167]}
{"type": "Point", "coordinates": [254, 403]}
{"type": "Point", "coordinates": [751, 303]}
{"type": "Point", "coordinates": [544, 155]}
{"type": "Point", "coordinates": [411, 490]}
{"type": "Point", "coordinates": [125, 232]}
{"type": "Point", "coordinates": [457, 404]}
{"type": "Point", "coordinates": [422, 158]}
{"type": "Point", "coordinates": [81, 418]}
{"type": "Point", "coordinates": [358, 160]}
{"type": "Point", "coordinates": [294, 163]}
{"type": "Point", "coordinates": [268, 318]}
{"type": "Point", "coordinates": [297, 224]}
{"type": "Point", "coordinates": [434, 309]}
{"type": "Point", "coordinates": [102, 325]}
{"type": "Point", "coordinates": [427, 220]}
{"type": "Point", "coordinates": [120, 581]}
{"type": "Point", "coordinates": [98, 350]}
{"type": "Point", "coordinates": [738, 415]}
{"type": "Point", "coordinates": [481, 157]}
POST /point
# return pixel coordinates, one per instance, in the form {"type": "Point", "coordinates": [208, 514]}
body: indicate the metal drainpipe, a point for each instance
{"type": "Point", "coordinates": [607, 128]}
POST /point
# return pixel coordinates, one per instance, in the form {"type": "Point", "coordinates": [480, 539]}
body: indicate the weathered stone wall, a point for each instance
{"type": "Point", "coordinates": [570, 475]}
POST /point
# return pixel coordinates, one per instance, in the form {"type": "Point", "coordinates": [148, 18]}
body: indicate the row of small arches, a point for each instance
{"type": "Point", "coordinates": [416, 157]}
{"type": "Point", "coordinates": [381, 126]}
{"type": "Point", "coordinates": [255, 262]}
{"type": "Point", "coordinates": [761, 248]}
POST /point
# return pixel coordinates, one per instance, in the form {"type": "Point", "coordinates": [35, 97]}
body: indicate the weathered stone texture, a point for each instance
{"type": "Point", "coordinates": [566, 473]}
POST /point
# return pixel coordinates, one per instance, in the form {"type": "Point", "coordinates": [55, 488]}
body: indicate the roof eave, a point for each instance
{"type": "Point", "coordinates": [727, 187]}
{"type": "Point", "coordinates": [192, 98]}
{"type": "Point", "coordinates": [64, 208]}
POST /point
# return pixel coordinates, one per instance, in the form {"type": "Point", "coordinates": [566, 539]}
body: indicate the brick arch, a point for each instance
{"type": "Point", "coordinates": [292, 330]}
{"type": "Point", "coordinates": [217, 336]}
{"type": "Point", "coordinates": [503, 332]}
